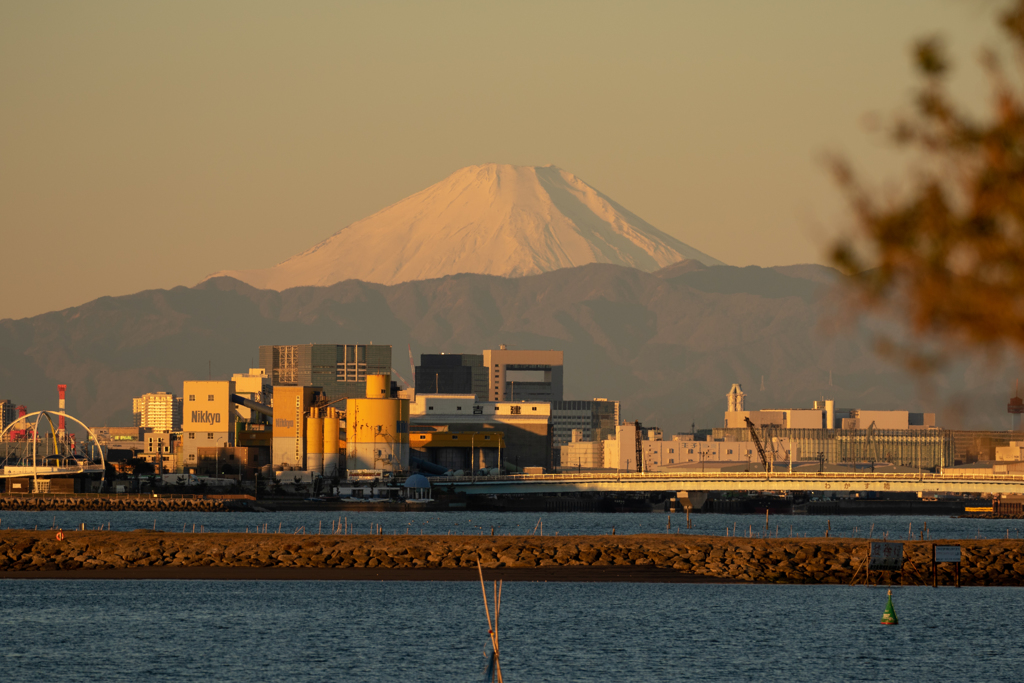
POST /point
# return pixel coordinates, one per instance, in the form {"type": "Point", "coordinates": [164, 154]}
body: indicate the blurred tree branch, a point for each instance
{"type": "Point", "coordinates": [948, 258]}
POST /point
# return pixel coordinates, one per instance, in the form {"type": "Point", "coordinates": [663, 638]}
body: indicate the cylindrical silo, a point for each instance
{"type": "Point", "coordinates": [378, 386]}
{"type": "Point", "coordinates": [372, 434]}
{"type": "Point", "coordinates": [333, 465]}
{"type": "Point", "coordinates": [315, 443]}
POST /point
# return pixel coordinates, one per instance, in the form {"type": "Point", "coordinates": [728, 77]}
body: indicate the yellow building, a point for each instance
{"type": "Point", "coordinates": [208, 418]}
{"type": "Point", "coordinates": [291, 406]}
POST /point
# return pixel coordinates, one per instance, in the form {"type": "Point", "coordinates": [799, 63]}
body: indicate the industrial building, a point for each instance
{"type": "Point", "coordinates": [452, 373]}
{"type": "Point", "coordinates": [522, 375]}
{"type": "Point", "coordinates": [581, 453]}
{"type": "Point", "coordinates": [159, 412]}
{"type": "Point", "coordinates": [339, 370]}
{"type": "Point", "coordinates": [238, 461]}
{"type": "Point", "coordinates": [525, 427]}
{"type": "Point", "coordinates": [8, 414]}
{"type": "Point", "coordinates": [291, 406]}
{"type": "Point", "coordinates": [161, 451]}
{"type": "Point", "coordinates": [842, 436]}
{"type": "Point", "coordinates": [208, 419]}
{"type": "Point", "coordinates": [823, 415]}
{"type": "Point", "coordinates": [596, 420]}
{"type": "Point", "coordinates": [253, 385]}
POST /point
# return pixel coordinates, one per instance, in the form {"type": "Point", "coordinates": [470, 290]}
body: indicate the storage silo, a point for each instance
{"type": "Point", "coordinates": [315, 442]}
{"type": "Point", "coordinates": [333, 464]}
{"type": "Point", "coordinates": [377, 428]}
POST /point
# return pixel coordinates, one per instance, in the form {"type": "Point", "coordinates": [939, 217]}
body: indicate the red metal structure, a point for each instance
{"type": "Point", "coordinates": [21, 434]}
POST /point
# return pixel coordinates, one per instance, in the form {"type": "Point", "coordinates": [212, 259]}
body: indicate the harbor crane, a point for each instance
{"type": "Point", "coordinates": [757, 443]}
{"type": "Point", "coordinates": [639, 447]}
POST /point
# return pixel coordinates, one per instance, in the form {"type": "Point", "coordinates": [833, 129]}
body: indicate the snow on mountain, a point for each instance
{"type": "Point", "coordinates": [493, 219]}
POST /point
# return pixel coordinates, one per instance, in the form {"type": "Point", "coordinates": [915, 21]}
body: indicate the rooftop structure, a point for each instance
{"type": "Point", "coordinates": [340, 370]}
{"type": "Point", "coordinates": [523, 375]}
{"type": "Point", "coordinates": [823, 415]}
{"type": "Point", "coordinates": [254, 385]}
{"type": "Point", "coordinates": [452, 373]}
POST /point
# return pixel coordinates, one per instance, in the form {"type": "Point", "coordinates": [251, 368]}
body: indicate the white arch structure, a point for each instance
{"type": "Point", "coordinates": [35, 434]}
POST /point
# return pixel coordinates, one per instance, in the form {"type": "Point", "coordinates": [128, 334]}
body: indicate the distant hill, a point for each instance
{"type": "Point", "coordinates": [667, 344]}
{"type": "Point", "coordinates": [493, 219]}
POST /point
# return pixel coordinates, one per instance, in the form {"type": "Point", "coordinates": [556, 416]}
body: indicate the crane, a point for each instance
{"type": "Point", "coordinates": [757, 443]}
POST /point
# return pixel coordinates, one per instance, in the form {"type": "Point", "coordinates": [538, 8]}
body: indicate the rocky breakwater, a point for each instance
{"type": "Point", "coordinates": [758, 560]}
{"type": "Point", "coordinates": [118, 503]}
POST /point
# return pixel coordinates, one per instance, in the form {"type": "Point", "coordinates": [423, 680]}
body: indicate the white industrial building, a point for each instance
{"type": "Point", "coordinates": [254, 385]}
{"type": "Point", "coordinates": [823, 415]}
{"type": "Point", "coordinates": [525, 425]}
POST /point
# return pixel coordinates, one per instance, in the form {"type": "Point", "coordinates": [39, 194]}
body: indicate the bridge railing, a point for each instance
{"type": "Point", "coordinates": [760, 476]}
{"type": "Point", "coordinates": [28, 470]}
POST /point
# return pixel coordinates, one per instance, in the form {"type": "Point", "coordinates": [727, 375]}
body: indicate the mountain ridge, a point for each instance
{"type": "Point", "coordinates": [667, 347]}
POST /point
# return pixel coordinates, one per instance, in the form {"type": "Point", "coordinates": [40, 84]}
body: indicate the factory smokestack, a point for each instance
{"type": "Point", "coordinates": [62, 390]}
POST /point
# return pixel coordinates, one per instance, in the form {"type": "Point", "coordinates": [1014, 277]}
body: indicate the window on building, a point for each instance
{"type": "Point", "coordinates": [430, 408]}
{"type": "Point", "coordinates": [191, 397]}
{"type": "Point", "coordinates": [210, 397]}
{"type": "Point", "coordinates": [671, 461]}
{"type": "Point", "coordinates": [192, 457]}
{"type": "Point", "coordinates": [690, 451]}
{"type": "Point", "coordinates": [458, 407]}
{"type": "Point", "coordinates": [535, 407]}
{"type": "Point", "coordinates": [209, 435]}
{"type": "Point", "coordinates": [191, 435]}
{"type": "Point", "coordinates": [730, 451]}
{"type": "Point", "coordinates": [516, 410]}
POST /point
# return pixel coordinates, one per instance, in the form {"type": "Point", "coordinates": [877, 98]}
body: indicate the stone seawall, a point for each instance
{"type": "Point", "coordinates": [759, 560]}
{"type": "Point", "coordinates": [113, 504]}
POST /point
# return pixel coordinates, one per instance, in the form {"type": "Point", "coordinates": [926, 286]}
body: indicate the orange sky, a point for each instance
{"type": "Point", "coordinates": [147, 144]}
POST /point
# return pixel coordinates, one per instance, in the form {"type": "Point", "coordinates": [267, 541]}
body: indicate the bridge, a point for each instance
{"type": "Point", "coordinates": [827, 482]}
{"type": "Point", "coordinates": [40, 462]}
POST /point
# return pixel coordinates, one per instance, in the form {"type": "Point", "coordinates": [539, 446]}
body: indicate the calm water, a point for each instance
{"type": "Point", "coordinates": [299, 631]}
{"type": "Point", "coordinates": [525, 523]}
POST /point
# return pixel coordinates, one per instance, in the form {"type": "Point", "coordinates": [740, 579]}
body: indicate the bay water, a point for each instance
{"type": "Point", "coordinates": [298, 631]}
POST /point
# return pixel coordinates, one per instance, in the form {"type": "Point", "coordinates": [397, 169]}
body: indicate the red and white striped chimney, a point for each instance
{"type": "Point", "coordinates": [62, 390]}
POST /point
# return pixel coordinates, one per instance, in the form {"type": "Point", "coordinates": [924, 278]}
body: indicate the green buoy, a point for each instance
{"type": "Point", "coordinates": [889, 616]}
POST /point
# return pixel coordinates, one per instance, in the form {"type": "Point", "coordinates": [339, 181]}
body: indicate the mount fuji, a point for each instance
{"type": "Point", "coordinates": [493, 219]}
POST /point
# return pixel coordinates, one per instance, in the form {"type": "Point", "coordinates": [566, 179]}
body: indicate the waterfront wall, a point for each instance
{"type": "Point", "coordinates": [114, 504]}
{"type": "Point", "coordinates": [986, 562]}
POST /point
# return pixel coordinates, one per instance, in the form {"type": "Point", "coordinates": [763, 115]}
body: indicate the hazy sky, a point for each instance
{"type": "Point", "coordinates": [148, 144]}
